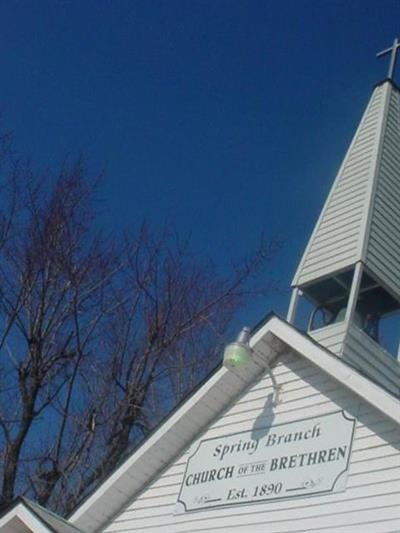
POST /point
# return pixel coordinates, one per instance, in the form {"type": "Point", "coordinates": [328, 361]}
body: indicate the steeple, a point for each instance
{"type": "Point", "coordinates": [350, 270]}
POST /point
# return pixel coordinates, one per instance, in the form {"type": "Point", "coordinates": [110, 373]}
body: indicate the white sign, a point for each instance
{"type": "Point", "coordinates": [309, 456]}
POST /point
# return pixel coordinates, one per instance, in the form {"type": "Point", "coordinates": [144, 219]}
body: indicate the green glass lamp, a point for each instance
{"type": "Point", "coordinates": [238, 353]}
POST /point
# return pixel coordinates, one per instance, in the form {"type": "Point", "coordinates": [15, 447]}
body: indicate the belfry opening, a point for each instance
{"type": "Point", "coordinates": [349, 273]}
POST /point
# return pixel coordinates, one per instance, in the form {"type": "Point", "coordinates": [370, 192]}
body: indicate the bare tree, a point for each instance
{"type": "Point", "coordinates": [99, 338]}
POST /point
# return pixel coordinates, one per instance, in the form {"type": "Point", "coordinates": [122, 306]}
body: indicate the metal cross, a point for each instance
{"type": "Point", "coordinates": [393, 56]}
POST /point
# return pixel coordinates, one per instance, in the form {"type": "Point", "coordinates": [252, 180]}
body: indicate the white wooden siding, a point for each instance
{"type": "Point", "coordinates": [370, 504]}
{"type": "Point", "coordinates": [335, 242]}
{"type": "Point", "coordinates": [369, 357]}
{"type": "Point", "coordinates": [383, 251]}
{"type": "Point", "coordinates": [362, 352]}
{"type": "Point", "coordinates": [331, 337]}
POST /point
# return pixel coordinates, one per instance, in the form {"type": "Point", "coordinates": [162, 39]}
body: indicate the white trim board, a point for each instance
{"type": "Point", "coordinates": [24, 516]}
{"type": "Point", "coordinates": [268, 342]}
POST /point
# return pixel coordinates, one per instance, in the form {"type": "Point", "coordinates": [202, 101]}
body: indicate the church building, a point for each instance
{"type": "Point", "coordinates": [299, 429]}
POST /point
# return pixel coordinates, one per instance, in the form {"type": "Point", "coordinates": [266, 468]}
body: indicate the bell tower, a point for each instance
{"type": "Point", "coordinates": [350, 270]}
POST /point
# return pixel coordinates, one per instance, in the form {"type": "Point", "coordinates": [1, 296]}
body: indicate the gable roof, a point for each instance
{"type": "Point", "coordinates": [25, 516]}
{"type": "Point", "coordinates": [272, 338]}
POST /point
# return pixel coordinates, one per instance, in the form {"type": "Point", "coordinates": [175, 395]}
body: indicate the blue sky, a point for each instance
{"type": "Point", "coordinates": [228, 119]}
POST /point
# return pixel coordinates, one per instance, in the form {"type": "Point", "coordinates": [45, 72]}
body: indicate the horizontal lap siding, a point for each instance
{"type": "Point", "coordinates": [371, 502]}
{"type": "Point", "coordinates": [331, 337]}
{"type": "Point", "coordinates": [383, 252]}
{"type": "Point", "coordinates": [334, 244]}
{"type": "Point", "coordinates": [363, 353]}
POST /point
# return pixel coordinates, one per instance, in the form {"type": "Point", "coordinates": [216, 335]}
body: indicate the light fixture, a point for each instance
{"type": "Point", "coordinates": [238, 353]}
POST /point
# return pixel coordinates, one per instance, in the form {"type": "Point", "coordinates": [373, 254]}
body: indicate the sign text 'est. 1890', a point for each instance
{"type": "Point", "coordinates": [309, 456]}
